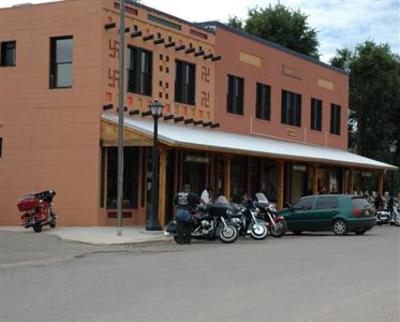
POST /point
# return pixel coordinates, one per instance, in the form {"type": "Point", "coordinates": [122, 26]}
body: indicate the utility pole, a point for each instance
{"type": "Point", "coordinates": [121, 109]}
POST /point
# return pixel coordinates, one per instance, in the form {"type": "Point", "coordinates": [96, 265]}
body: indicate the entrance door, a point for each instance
{"type": "Point", "coordinates": [195, 166]}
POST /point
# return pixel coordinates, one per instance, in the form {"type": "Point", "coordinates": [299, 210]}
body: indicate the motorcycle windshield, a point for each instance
{"type": "Point", "coordinates": [261, 198]}
{"type": "Point", "coordinates": [222, 202]}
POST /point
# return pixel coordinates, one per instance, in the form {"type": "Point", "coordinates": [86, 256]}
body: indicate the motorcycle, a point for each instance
{"type": "Point", "coordinates": [38, 210]}
{"type": "Point", "coordinates": [275, 224]}
{"type": "Point", "coordinates": [210, 222]}
{"type": "Point", "coordinates": [247, 221]}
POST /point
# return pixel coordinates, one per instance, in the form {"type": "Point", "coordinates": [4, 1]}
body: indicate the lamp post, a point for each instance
{"type": "Point", "coordinates": [156, 109]}
{"type": "Point", "coordinates": [392, 149]}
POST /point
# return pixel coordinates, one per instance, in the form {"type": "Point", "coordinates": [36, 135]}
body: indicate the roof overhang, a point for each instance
{"type": "Point", "coordinates": [225, 142]}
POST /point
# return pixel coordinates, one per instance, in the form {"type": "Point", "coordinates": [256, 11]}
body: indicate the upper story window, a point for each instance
{"type": "Point", "coordinates": [140, 71]}
{"type": "Point", "coordinates": [235, 96]}
{"type": "Point", "coordinates": [335, 119]}
{"type": "Point", "coordinates": [61, 62]}
{"type": "Point", "coordinates": [263, 102]}
{"type": "Point", "coordinates": [291, 108]}
{"type": "Point", "coordinates": [8, 54]}
{"type": "Point", "coordinates": [316, 114]}
{"type": "Point", "coordinates": [1, 146]}
{"type": "Point", "coordinates": [185, 82]}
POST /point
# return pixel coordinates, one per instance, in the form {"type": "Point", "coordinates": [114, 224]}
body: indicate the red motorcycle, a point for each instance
{"type": "Point", "coordinates": [38, 210]}
{"type": "Point", "coordinates": [276, 224]}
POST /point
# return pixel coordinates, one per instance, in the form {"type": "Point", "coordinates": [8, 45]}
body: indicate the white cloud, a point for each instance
{"type": "Point", "coordinates": [341, 23]}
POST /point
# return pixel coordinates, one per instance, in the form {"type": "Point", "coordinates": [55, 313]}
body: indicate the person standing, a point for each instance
{"type": "Point", "coordinates": [206, 195]}
{"type": "Point", "coordinates": [186, 203]}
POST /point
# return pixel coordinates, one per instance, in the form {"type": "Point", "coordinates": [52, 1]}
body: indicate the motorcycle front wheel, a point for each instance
{"type": "Point", "coordinates": [228, 234]}
{"type": "Point", "coordinates": [279, 230]}
{"type": "Point", "coordinates": [258, 231]}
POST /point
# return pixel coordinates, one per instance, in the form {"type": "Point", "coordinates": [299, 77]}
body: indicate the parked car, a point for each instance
{"type": "Point", "coordinates": [340, 213]}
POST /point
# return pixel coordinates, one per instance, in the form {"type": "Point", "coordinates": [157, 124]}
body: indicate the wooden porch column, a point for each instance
{"type": "Point", "coordinates": [350, 181]}
{"type": "Point", "coordinates": [162, 186]}
{"type": "Point", "coordinates": [315, 180]}
{"type": "Point", "coordinates": [281, 189]}
{"type": "Point", "coordinates": [227, 177]}
{"type": "Point", "coordinates": [380, 182]}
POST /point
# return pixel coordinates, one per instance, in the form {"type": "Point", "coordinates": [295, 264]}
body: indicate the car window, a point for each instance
{"type": "Point", "coordinates": [305, 203]}
{"type": "Point", "coordinates": [326, 203]}
{"type": "Point", "coordinates": [360, 203]}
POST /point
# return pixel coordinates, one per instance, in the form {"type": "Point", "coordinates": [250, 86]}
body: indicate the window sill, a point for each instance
{"type": "Point", "coordinates": [316, 131]}
{"type": "Point", "coordinates": [292, 125]}
{"type": "Point", "coordinates": [66, 87]}
{"type": "Point", "coordinates": [234, 114]}
{"type": "Point", "coordinates": [186, 104]}
{"type": "Point", "coordinates": [7, 66]}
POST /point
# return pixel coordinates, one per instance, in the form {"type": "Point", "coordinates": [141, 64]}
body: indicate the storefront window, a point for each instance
{"type": "Point", "coordinates": [131, 164]}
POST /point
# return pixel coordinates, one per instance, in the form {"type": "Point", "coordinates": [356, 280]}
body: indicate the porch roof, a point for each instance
{"type": "Point", "coordinates": [225, 142]}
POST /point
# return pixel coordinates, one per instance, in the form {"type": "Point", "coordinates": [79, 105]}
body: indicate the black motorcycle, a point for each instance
{"type": "Point", "coordinates": [210, 222]}
{"type": "Point", "coordinates": [247, 221]}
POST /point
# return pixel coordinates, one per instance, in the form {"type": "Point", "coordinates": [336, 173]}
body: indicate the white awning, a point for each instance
{"type": "Point", "coordinates": [225, 142]}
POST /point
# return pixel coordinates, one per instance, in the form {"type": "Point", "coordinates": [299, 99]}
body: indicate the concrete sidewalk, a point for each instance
{"type": "Point", "coordinates": [99, 235]}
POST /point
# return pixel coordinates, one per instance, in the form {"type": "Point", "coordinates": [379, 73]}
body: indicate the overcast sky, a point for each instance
{"type": "Point", "coordinates": [340, 23]}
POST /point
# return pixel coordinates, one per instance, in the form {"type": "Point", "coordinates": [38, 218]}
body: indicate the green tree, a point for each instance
{"type": "Point", "coordinates": [374, 99]}
{"type": "Point", "coordinates": [235, 22]}
{"type": "Point", "coordinates": [281, 25]}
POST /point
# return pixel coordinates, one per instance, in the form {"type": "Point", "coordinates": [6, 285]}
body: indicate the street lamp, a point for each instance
{"type": "Point", "coordinates": [156, 109]}
{"type": "Point", "coordinates": [392, 149]}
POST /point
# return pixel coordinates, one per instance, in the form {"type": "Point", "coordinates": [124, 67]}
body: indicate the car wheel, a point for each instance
{"type": "Point", "coordinates": [297, 232]}
{"type": "Point", "coordinates": [361, 231]}
{"type": "Point", "coordinates": [340, 227]}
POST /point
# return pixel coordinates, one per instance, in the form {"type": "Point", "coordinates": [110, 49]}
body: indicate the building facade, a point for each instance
{"type": "Point", "coordinates": [232, 101]}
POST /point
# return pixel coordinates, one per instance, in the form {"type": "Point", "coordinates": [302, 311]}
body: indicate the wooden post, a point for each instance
{"type": "Point", "coordinates": [380, 182]}
{"type": "Point", "coordinates": [315, 180]}
{"type": "Point", "coordinates": [351, 182]}
{"type": "Point", "coordinates": [281, 189]}
{"type": "Point", "coordinates": [227, 177]}
{"type": "Point", "coordinates": [162, 186]}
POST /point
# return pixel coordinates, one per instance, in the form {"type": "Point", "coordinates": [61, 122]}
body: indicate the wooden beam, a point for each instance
{"type": "Point", "coordinates": [281, 190]}
{"type": "Point", "coordinates": [162, 186]}
{"type": "Point", "coordinates": [380, 182]}
{"type": "Point", "coordinates": [227, 177]}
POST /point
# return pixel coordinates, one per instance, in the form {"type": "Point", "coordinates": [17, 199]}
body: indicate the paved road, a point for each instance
{"type": "Point", "coordinates": [317, 277]}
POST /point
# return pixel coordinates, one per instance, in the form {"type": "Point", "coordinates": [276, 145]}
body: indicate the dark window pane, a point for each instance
{"type": "Point", "coordinates": [291, 108]}
{"type": "Point", "coordinates": [305, 203]}
{"type": "Point", "coordinates": [8, 53]}
{"type": "Point", "coordinates": [326, 203]}
{"type": "Point", "coordinates": [140, 71]}
{"type": "Point", "coordinates": [131, 168]}
{"type": "Point", "coordinates": [335, 119]}
{"type": "Point", "coordinates": [235, 95]}
{"type": "Point", "coordinates": [263, 98]}
{"type": "Point", "coordinates": [1, 147]}
{"type": "Point", "coordinates": [316, 114]}
{"type": "Point", "coordinates": [185, 82]}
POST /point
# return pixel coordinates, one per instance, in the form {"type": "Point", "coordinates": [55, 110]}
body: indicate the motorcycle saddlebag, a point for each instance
{"type": "Point", "coordinates": [28, 203]}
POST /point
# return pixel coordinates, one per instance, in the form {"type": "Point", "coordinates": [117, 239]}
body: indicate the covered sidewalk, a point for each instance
{"type": "Point", "coordinates": [190, 138]}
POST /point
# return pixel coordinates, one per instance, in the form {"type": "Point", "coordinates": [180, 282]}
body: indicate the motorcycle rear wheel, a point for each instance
{"type": "Point", "coordinates": [279, 230]}
{"type": "Point", "coordinates": [229, 234]}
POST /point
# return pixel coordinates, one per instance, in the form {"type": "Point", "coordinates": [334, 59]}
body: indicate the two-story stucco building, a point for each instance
{"type": "Point", "coordinates": [241, 114]}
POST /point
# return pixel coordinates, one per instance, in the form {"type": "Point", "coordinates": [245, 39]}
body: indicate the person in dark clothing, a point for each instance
{"type": "Point", "coordinates": [186, 203]}
{"type": "Point", "coordinates": [379, 203]}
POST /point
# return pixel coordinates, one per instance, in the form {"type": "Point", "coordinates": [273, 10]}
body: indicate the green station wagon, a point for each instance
{"type": "Point", "coordinates": [340, 213]}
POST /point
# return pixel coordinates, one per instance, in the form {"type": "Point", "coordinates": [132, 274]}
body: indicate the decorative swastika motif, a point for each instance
{"type": "Point", "coordinates": [113, 77]}
{"type": "Point", "coordinates": [113, 46]}
{"type": "Point", "coordinates": [205, 99]}
{"type": "Point", "coordinates": [205, 74]}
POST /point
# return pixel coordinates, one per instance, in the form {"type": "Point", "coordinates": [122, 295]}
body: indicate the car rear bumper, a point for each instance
{"type": "Point", "coordinates": [357, 223]}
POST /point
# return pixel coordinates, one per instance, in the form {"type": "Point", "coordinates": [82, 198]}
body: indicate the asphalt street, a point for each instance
{"type": "Point", "coordinates": [315, 277]}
